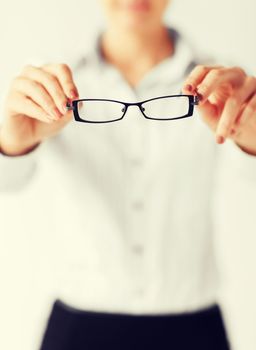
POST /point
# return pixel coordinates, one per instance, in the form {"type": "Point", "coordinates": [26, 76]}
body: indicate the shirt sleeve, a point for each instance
{"type": "Point", "coordinates": [234, 223]}
{"type": "Point", "coordinates": [240, 163]}
{"type": "Point", "coordinates": [234, 233]}
{"type": "Point", "coordinates": [16, 171]}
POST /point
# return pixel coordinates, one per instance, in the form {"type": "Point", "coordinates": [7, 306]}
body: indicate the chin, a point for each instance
{"type": "Point", "coordinates": [135, 23]}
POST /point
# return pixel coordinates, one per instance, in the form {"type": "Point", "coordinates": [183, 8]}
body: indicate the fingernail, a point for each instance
{"type": "Point", "coordinates": [189, 87]}
{"type": "Point", "coordinates": [220, 139]}
{"type": "Point", "coordinates": [73, 94]}
{"type": "Point", "coordinates": [200, 97]}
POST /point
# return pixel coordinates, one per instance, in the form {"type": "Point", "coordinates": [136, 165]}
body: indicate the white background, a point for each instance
{"type": "Point", "coordinates": [57, 29]}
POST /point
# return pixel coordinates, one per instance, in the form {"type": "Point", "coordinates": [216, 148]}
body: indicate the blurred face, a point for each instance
{"type": "Point", "coordinates": [134, 14]}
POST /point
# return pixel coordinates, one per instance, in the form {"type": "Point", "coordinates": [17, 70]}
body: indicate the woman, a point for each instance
{"type": "Point", "coordinates": [140, 270]}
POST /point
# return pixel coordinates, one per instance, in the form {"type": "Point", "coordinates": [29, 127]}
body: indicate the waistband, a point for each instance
{"type": "Point", "coordinates": [70, 328]}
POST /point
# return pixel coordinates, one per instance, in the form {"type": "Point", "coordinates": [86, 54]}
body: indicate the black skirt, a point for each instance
{"type": "Point", "coordinates": [70, 328]}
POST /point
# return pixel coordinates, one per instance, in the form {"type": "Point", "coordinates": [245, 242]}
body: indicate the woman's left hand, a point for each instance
{"type": "Point", "coordinates": [227, 103]}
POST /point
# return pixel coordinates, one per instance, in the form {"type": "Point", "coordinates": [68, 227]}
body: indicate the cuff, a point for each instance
{"type": "Point", "coordinates": [241, 162]}
{"type": "Point", "coordinates": [16, 171]}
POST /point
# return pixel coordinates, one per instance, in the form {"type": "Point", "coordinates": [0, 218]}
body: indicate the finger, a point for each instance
{"type": "Point", "coordinates": [50, 83]}
{"type": "Point", "coordinates": [249, 110]}
{"type": "Point", "coordinates": [195, 77]}
{"type": "Point", "coordinates": [210, 113]}
{"type": "Point", "coordinates": [232, 77]}
{"type": "Point", "coordinates": [232, 108]}
{"type": "Point", "coordinates": [235, 130]}
{"type": "Point", "coordinates": [24, 105]}
{"type": "Point", "coordinates": [65, 77]}
{"type": "Point", "coordinates": [36, 92]}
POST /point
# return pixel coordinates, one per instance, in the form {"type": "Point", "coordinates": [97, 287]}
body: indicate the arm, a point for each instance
{"type": "Point", "coordinates": [228, 107]}
{"type": "Point", "coordinates": [234, 234]}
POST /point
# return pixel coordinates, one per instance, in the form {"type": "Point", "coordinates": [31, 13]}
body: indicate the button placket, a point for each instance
{"type": "Point", "coordinates": [136, 161]}
{"type": "Point", "coordinates": [137, 230]}
{"type": "Point", "coordinates": [135, 136]}
{"type": "Point", "coordinates": [137, 249]}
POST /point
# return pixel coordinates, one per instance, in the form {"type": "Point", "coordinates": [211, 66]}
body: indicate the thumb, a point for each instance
{"type": "Point", "coordinates": [49, 130]}
{"type": "Point", "coordinates": [211, 109]}
{"type": "Point", "coordinates": [210, 113]}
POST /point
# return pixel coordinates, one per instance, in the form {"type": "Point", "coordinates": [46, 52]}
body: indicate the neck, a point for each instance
{"type": "Point", "coordinates": [123, 47]}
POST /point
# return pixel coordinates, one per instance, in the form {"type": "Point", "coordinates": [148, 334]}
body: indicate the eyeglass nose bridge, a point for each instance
{"type": "Point", "coordinates": [138, 104]}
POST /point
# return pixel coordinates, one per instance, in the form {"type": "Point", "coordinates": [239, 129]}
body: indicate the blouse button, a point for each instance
{"type": "Point", "coordinates": [137, 205]}
{"type": "Point", "coordinates": [138, 248]}
{"type": "Point", "coordinates": [139, 292]}
{"type": "Point", "coordinates": [136, 161]}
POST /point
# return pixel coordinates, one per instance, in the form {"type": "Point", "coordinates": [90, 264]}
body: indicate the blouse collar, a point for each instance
{"type": "Point", "coordinates": [172, 69]}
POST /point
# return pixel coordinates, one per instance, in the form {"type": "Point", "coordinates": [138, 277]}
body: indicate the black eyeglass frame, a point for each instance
{"type": "Point", "coordinates": [73, 105]}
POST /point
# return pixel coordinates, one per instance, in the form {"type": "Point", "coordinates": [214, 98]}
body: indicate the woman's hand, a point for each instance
{"type": "Point", "coordinates": [34, 108]}
{"type": "Point", "coordinates": [227, 103]}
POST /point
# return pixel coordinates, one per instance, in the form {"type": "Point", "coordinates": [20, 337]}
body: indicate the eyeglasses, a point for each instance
{"type": "Point", "coordinates": [97, 110]}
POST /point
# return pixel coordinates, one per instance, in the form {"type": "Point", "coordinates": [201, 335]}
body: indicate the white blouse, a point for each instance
{"type": "Point", "coordinates": [125, 213]}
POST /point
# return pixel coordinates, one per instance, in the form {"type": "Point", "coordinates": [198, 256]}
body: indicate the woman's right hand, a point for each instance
{"type": "Point", "coordinates": [34, 108]}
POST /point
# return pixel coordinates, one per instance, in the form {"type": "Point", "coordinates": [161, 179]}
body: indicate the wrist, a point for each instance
{"type": "Point", "coordinates": [16, 150]}
{"type": "Point", "coordinates": [11, 147]}
{"type": "Point", "coordinates": [246, 149]}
